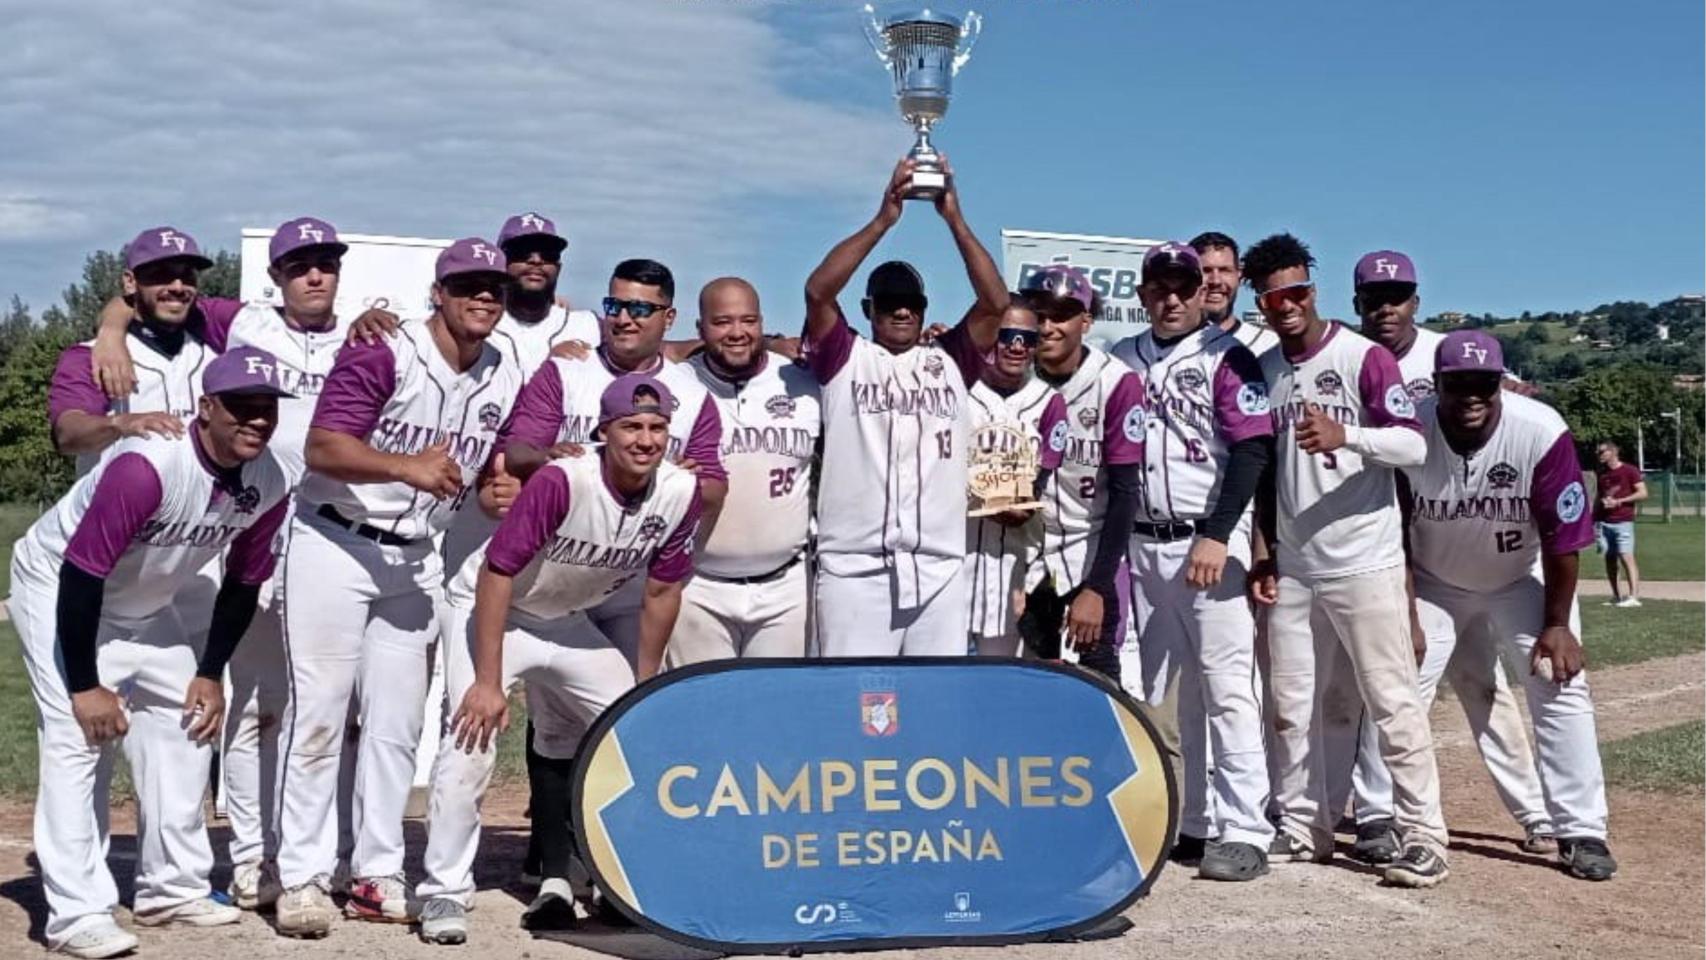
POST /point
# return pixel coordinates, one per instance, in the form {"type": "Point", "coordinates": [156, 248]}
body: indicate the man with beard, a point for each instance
{"type": "Point", "coordinates": [1221, 277]}
{"type": "Point", "coordinates": [1500, 495]}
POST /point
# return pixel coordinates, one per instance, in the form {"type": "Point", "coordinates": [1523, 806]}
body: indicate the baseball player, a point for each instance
{"type": "Point", "coordinates": [160, 275]}
{"type": "Point", "coordinates": [748, 595]}
{"type": "Point", "coordinates": [1221, 277]}
{"type": "Point", "coordinates": [1500, 490]}
{"type": "Point", "coordinates": [109, 655]}
{"type": "Point", "coordinates": [1074, 609]}
{"type": "Point", "coordinates": [401, 432]}
{"type": "Point", "coordinates": [1209, 437]}
{"type": "Point", "coordinates": [582, 529]}
{"type": "Point", "coordinates": [1386, 301]}
{"type": "Point", "coordinates": [1334, 571]}
{"type": "Point", "coordinates": [895, 414]}
{"type": "Point", "coordinates": [1007, 402]}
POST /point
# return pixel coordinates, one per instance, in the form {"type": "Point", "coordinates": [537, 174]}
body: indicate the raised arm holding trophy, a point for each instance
{"type": "Point", "coordinates": [924, 50]}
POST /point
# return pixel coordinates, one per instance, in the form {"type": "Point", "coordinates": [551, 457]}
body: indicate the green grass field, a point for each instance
{"type": "Point", "coordinates": [1665, 551]}
{"type": "Point", "coordinates": [1658, 628]}
{"type": "Point", "coordinates": [1673, 758]}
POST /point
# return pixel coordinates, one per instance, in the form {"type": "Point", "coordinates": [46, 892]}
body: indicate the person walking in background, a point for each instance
{"type": "Point", "coordinates": [1620, 488]}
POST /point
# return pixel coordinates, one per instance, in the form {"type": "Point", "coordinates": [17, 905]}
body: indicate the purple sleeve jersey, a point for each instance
{"type": "Point", "coordinates": [250, 558]}
{"type": "Point", "coordinates": [1384, 399]}
{"type": "Point", "coordinates": [538, 412]}
{"type": "Point", "coordinates": [128, 494]}
{"type": "Point", "coordinates": [1551, 500]}
{"type": "Point", "coordinates": [704, 444]}
{"type": "Point", "coordinates": [362, 379]}
{"type": "Point", "coordinates": [826, 355]}
{"type": "Point", "coordinates": [1241, 397]}
{"type": "Point", "coordinates": [213, 317]}
{"type": "Point", "coordinates": [73, 386]}
{"type": "Point", "coordinates": [1052, 428]}
{"type": "Point", "coordinates": [673, 562]}
{"type": "Point", "coordinates": [1123, 422]}
{"type": "Point", "coordinates": [957, 343]}
{"type": "Point", "coordinates": [532, 521]}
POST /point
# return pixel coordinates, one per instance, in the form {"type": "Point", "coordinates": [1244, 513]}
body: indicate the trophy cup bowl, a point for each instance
{"type": "Point", "coordinates": [923, 50]}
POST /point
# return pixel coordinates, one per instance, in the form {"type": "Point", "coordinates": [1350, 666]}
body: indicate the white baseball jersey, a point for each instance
{"type": "Point", "coordinates": [528, 344]}
{"type": "Point", "coordinates": [771, 424]}
{"type": "Point", "coordinates": [1417, 364]}
{"type": "Point", "coordinates": [163, 514]}
{"type": "Point", "coordinates": [1337, 511]}
{"type": "Point", "coordinates": [168, 380]}
{"type": "Point", "coordinates": [999, 556]}
{"type": "Point", "coordinates": [561, 401]}
{"type": "Point", "coordinates": [570, 540]}
{"type": "Point", "coordinates": [1257, 338]}
{"type": "Point", "coordinates": [1205, 393]}
{"type": "Point", "coordinates": [1105, 426]}
{"type": "Point", "coordinates": [893, 481]}
{"type": "Point", "coordinates": [1480, 522]}
{"type": "Point", "coordinates": [401, 396]}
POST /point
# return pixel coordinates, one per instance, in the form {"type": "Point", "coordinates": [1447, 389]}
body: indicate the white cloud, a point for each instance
{"type": "Point", "coordinates": [640, 125]}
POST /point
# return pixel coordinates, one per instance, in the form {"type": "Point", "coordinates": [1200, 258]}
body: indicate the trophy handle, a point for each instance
{"type": "Point", "coordinates": [970, 30]}
{"type": "Point", "coordinates": [874, 33]}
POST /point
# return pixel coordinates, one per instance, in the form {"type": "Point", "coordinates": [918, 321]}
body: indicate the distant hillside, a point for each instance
{"type": "Point", "coordinates": [1561, 347]}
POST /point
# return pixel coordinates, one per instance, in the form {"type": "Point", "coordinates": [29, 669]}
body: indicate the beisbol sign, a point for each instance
{"type": "Point", "coordinates": [759, 805]}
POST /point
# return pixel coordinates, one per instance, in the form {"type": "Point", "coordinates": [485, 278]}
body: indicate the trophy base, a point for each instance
{"type": "Point", "coordinates": [991, 508]}
{"type": "Point", "coordinates": [927, 185]}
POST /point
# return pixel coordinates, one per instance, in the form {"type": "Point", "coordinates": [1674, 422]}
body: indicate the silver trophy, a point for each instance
{"type": "Point", "coordinates": [923, 50]}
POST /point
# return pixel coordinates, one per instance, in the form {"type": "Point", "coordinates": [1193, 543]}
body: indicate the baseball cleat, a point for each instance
{"type": "Point", "coordinates": [552, 909]}
{"type": "Point", "coordinates": [1376, 842]}
{"type": "Point", "coordinates": [254, 885]}
{"type": "Point", "coordinates": [1233, 861]}
{"type": "Point", "coordinates": [1288, 849]}
{"type": "Point", "coordinates": [378, 899]}
{"type": "Point", "coordinates": [1627, 602]}
{"type": "Point", "coordinates": [200, 912]}
{"type": "Point", "coordinates": [1187, 850]}
{"type": "Point", "coordinates": [99, 939]}
{"type": "Point", "coordinates": [1417, 867]}
{"type": "Point", "coordinates": [444, 922]}
{"type": "Point", "coordinates": [1539, 839]}
{"type": "Point", "coordinates": [1587, 858]}
{"type": "Point", "coordinates": [305, 911]}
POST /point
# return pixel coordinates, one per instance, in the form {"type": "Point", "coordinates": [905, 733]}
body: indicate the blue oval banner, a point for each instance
{"type": "Point", "coordinates": [758, 805]}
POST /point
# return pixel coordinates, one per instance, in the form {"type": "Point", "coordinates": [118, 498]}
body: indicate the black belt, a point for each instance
{"type": "Point", "coordinates": [1166, 532]}
{"type": "Point", "coordinates": [362, 530]}
{"type": "Point", "coordinates": [775, 574]}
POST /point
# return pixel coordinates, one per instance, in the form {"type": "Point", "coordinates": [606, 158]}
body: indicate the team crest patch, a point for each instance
{"type": "Point", "coordinates": [1057, 437]}
{"type": "Point", "coordinates": [933, 365]}
{"type": "Point", "coordinates": [1087, 417]}
{"type": "Point", "coordinates": [1503, 476]}
{"type": "Point", "coordinates": [780, 406]}
{"type": "Point", "coordinates": [1572, 501]}
{"type": "Point", "coordinates": [1189, 378]}
{"type": "Point", "coordinates": [247, 499]}
{"type": "Point", "coordinates": [1253, 399]}
{"type": "Point", "coordinates": [651, 528]}
{"type": "Point", "coordinates": [1420, 388]}
{"type": "Point", "coordinates": [1398, 401]}
{"type": "Point", "coordinates": [879, 713]}
{"type": "Point", "coordinates": [1135, 419]}
{"type": "Point", "coordinates": [1328, 383]}
{"type": "Point", "coordinates": [491, 416]}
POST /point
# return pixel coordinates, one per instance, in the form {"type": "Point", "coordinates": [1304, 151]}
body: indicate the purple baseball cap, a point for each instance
{"type": "Point", "coordinates": [620, 398]}
{"type": "Point", "coordinates": [163, 243]}
{"type": "Point", "coordinates": [531, 225]}
{"type": "Point", "coordinates": [1385, 266]}
{"type": "Point", "coordinates": [1060, 281]}
{"type": "Point", "coordinates": [243, 370]}
{"type": "Point", "coordinates": [300, 233]}
{"type": "Point", "coordinates": [471, 255]}
{"type": "Point", "coordinates": [1469, 351]}
{"type": "Point", "coordinates": [1171, 255]}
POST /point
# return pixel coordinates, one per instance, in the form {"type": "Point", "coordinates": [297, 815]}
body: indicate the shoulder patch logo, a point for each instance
{"type": "Point", "coordinates": [1572, 501]}
{"type": "Point", "coordinates": [1135, 420]}
{"type": "Point", "coordinates": [1057, 437]}
{"type": "Point", "coordinates": [1328, 383]}
{"type": "Point", "coordinates": [1399, 403]}
{"type": "Point", "coordinates": [1253, 399]}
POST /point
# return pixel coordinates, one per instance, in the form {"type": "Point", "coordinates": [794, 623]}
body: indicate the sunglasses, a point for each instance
{"type": "Point", "coordinates": [638, 309]}
{"type": "Point", "coordinates": [519, 254]}
{"type": "Point", "coordinates": [1471, 383]}
{"type": "Point", "coordinates": [914, 305]}
{"type": "Point", "coordinates": [1373, 296]}
{"type": "Point", "coordinates": [1182, 287]}
{"type": "Point", "coordinates": [1275, 299]}
{"type": "Point", "coordinates": [292, 269]}
{"type": "Point", "coordinates": [473, 285]}
{"type": "Point", "coordinates": [1008, 336]}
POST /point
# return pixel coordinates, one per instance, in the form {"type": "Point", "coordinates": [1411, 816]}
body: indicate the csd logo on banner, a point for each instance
{"type": "Point", "coordinates": [761, 830]}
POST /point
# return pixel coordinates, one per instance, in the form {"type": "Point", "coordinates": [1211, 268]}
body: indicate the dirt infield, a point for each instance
{"type": "Point", "coordinates": [1499, 901]}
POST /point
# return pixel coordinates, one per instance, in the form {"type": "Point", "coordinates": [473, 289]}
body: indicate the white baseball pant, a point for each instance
{"type": "Point", "coordinates": [573, 671]}
{"type": "Point", "coordinates": [1495, 720]}
{"type": "Point", "coordinates": [355, 612]}
{"type": "Point", "coordinates": [1368, 617]}
{"type": "Point", "coordinates": [857, 616]}
{"type": "Point", "coordinates": [1508, 621]}
{"type": "Point", "coordinates": [1205, 641]}
{"type": "Point", "coordinates": [150, 668]}
{"type": "Point", "coordinates": [723, 619]}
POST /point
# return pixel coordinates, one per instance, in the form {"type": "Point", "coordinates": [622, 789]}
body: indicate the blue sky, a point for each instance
{"type": "Point", "coordinates": [1528, 155]}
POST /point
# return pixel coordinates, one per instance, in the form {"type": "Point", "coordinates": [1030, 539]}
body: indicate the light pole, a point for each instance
{"type": "Point", "coordinates": [1675, 416]}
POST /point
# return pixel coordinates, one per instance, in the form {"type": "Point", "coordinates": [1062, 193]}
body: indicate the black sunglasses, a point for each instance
{"type": "Point", "coordinates": [638, 309]}
{"type": "Point", "coordinates": [891, 304]}
{"type": "Point", "coordinates": [474, 284]}
{"type": "Point", "coordinates": [1025, 337]}
{"type": "Point", "coordinates": [1373, 296]}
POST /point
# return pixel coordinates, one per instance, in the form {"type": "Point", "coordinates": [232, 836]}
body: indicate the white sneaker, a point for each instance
{"type": "Point", "coordinates": [1629, 602]}
{"type": "Point", "coordinates": [305, 911]}
{"type": "Point", "coordinates": [255, 886]}
{"type": "Point", "coordinates": [99, 939]}
{"type": "Point", "coordinates": [201, 912]}
{"type": "Point", "coordinates": [444, 922]}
